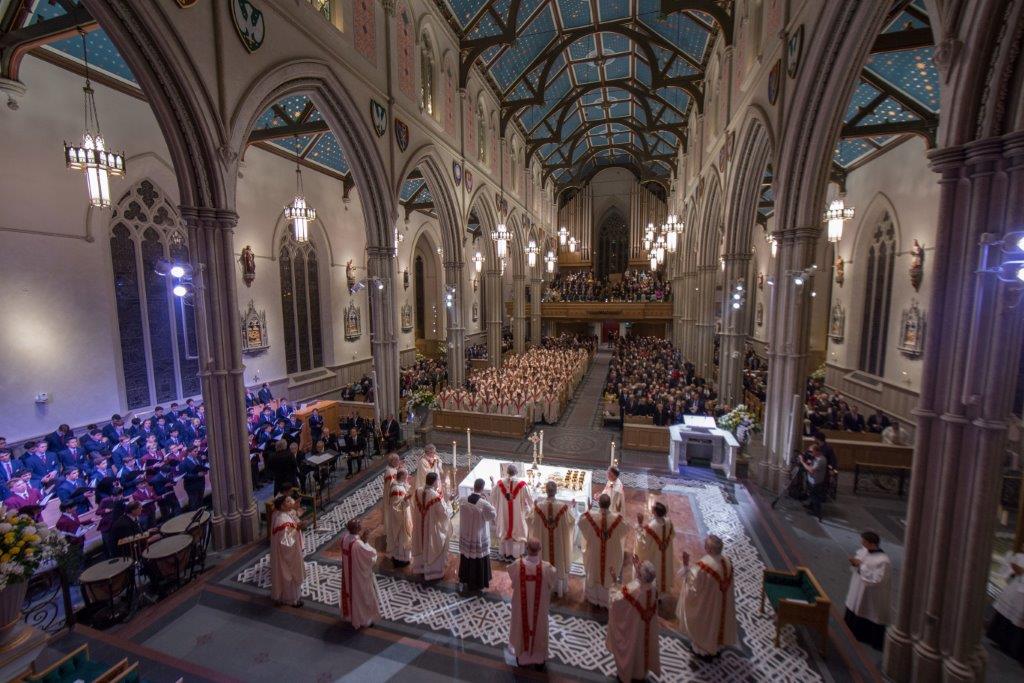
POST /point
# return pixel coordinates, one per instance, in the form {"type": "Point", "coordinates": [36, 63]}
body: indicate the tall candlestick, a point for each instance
{"type": "Point", "coordinates": [469, 444]}
{"type": "Point", "coordinates": [612, 461]}
{"type": "Point", "coordinates": [542, 443]}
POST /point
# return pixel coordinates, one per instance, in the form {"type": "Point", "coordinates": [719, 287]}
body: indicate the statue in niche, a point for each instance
{"type": "Point", "coordinates": [759, 317]}
{"type": "Point", "coordinates": [476, 311]}
{"type": "Point", "coordinates": [405, 279]}
{"type": "Point", "coordinates": [760, 281]}
{"type": "Point", "coordinates": [353, 324]}
{"type": "Point", "coordinates": [837, 323]}
{"type": "Point", "coordinates": [916, 265]}
{"type": "Point", "coordinates": [350, 274]}
{"type": "Point", "coordinates": [406, 318]}
{"type": "Point", "coordinates": [248, 261]}
{"type": "Point", "coordinates": [911, 343]}
{"type": "Point", "coordinates": [254, 330]}
{"type": "Point", "coordinates": [840, 268]}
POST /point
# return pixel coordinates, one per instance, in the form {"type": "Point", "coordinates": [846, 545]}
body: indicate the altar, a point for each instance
{"type": "Point", "coordinates": [573, 484]}
{"type": "Point", "coordinates": [700, 438]}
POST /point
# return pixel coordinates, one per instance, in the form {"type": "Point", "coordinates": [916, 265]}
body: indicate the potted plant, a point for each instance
{"type": "Point", "coordinates": [24, 546]}
{"type": "Point", "coordinates": [742, 423]}
{"type": "Point", "coordinates": [420, 404]}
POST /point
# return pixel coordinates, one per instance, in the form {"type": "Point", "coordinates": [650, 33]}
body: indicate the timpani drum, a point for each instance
{"type": "Point", "coordinates": [167, 560]}
{"type": "Point", "coordinates": [106, 583]}
{"type": "Point", "coordinates": [181, 524]}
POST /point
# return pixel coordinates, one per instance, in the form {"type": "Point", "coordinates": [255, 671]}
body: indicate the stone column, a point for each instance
{"type": "Point", "coordinates": [788, 339]}
{"type": "Point", "coordinates": [518, 313]}
{"type": "Point", "coordinates": [536, 291]}
{"type": "Point", "coordinates": [493, 322]}
{"type": "Point", "coordinates": [382, 268]}
{"type": "Point", "coordinates": [734, 330]}
{"type": "Point", "coordinates": [456, 331]}
{"type": "Point", "coordinates": [704, 326]}
{"type": "Point", "coordinates": [211, 248]}
{"type": "Point", "coordinates": [678, 305]}
{"type": "Point", "coordinates": [689, 306]}
{"type": "Point", "coordinates": [972, 351]}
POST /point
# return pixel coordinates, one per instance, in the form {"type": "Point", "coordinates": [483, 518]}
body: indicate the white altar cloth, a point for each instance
{"type": "Point", "coordinates": [492, 467]}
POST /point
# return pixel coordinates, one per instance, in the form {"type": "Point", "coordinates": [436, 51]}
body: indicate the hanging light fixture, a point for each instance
{"type": "Point", "coordinates": [659, 250]}
{"type": "Point", "coordinates": [500, 237]}
{"type": "Point", "coordinates": [572, 245]}
{"type": "Point", "coordinates": [297, 212]}
{"type": "Point", "coordinates": [503, 262]}
{"type": "Point", "coordinates": [550, 260]}
{"type": "Point", "coordinates": [773, 244]}
{"type": "Point", "coordinates": [92, 156]}
{"type": "Point", "coordinates": [836, 215]}
{"type": "Point", "coordinates": [478, 261]}
{"type": "Point", "coordinates": [671, 236]}
{"type": "Point", "coordinates": [654, 260]}
{"type": "Point", "coordinates": [563, 235]}
{"type": "Point", "coordinates": [531, 253]}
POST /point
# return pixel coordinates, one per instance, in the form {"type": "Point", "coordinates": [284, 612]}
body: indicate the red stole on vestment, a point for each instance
{"type": "Point", "coordinates": [603, 535]}
{"type": "Point", "coordinates": [346, 576]}
{"type": "Point", "coordinates": [724, 583]}
{"type": "Point", "coordinates": [662, 543]}
{"type": "Point", "coordinates": [529, 631]}
{"type": "Point", "coordinates": [647, 613]}
{"type": "Point", "coordinates": [510, 497]}
{"type": "Point", "coordinates": [550, 523]}
{"type": "Point", "coordinates": [423, 507]}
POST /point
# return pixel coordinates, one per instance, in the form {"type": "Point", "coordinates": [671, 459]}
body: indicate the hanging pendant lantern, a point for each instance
{"type": "Point", "coordinates": [298, 212]}
{"type": "Point", "coordinates": [531, 253]}
{"type": "Point", "coordinates": [500, 237]}
{"type": "Point", "coordinates": [563, 235]}
{"type": "Point", "coordinates": [478, 261]}
{"type": "Point", "coordinates": [836, 215]}
{"type": "Point", "coordinates": [550, 260]}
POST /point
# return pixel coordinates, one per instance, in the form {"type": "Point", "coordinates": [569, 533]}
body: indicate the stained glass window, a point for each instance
{"type": "Point", "coordinates": [427, 76]}
{"type": "Point", "coordinates": [300, 303]}
{"type": "Point", "coordinates": [881, 257]}
{"type": "Point", "coordinates": [157, 330]}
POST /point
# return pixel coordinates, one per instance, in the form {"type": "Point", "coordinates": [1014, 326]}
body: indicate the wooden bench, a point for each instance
{"type": "Point", "coordinates": [610, 411]}
{"type": "Point", "coordinates": [491, 424]}
{"type": "Point", "coordinates": [72, 666]}
{"type": "Point", "coordinates": [638, 419]}
{"type": "Point", "coordinates": [850, 452]}
{"type": "Point", "coordinates": [874, 469]}
{"type": "Point", "coordinates": [645, 437]}
{"type": "Point", "coordinates": [360, 408]}
{"type": "Point", "coordinates": [797, 599]}
{"type": "Point", "coordinates": [843, 435]}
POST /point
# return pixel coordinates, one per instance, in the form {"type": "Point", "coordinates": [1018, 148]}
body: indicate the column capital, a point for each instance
{"type": "Point", "coordinates": [204, 217]}
{"type": "Point", "coordinates": [378, 252]}
{"type": "Point", "coordinates": [739, 257]}
{"type": "Point", "coordinates": [454, 264]}
{"type": "Point", "coordinates": [1013, 145]}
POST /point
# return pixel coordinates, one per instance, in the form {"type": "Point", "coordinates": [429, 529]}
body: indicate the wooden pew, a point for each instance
{"type": "Point", "coordinates": [645, 437]}
{"type": "Point", "coordinates": [798, 599]}
{"type": "Point", "coordinates": [849, 453]}
{"type": "Point", "coordinates": [842, 435]}
{"type": "Point", "coordinates": [360, 408]}
{"type": "Point", "coordinates": [491, 424]}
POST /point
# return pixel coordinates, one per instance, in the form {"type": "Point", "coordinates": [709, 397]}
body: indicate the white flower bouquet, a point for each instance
{"type": "Point", "coordinates": [24, 545]}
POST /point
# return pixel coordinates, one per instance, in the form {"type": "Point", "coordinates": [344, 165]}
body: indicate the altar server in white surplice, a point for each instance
{"type": "Point", "coordinates": [603, 532]}
{"type": "Point", "coordinates": [552, 523]}
{"type": "Point", "coordinates": [512, 501]}
{"type": "Point", "coordinates": [399, 515]}
{"type": "Point", "coordinates": [870, 595]}
{"type": "Point", "coordinates": [655, 543]}
{"type": "Point", "coordinates": [613, 488]}
{"type": "Point", "coordinates": [287, 569]}
{"type": "Point", "coordinates": [429, 462]}
{"type": "Point", "coordinates": [633, 627]}
{"type": "Point", "coordinates": [358, 596]}
{"type": "Point", "coordinates": [476, 514]}
{"type": "Point", "coordinates": [431, 530]}
{"type": "Point", "coordinates": [707, 605]}
{"type": "Point", "coordinates": [533, 579]}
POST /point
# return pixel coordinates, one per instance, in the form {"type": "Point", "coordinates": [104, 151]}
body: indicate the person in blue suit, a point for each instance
{"type": "Point", "coordinates": [67, 489]}
{"type": "Point", "coordinates": [41, 464]}
{"type": "Point", "coordinates": [57, 441]}
{"type": "Point", "coordinates": [285, 409]}
{"type": "Point", "coordinates": [72, 455]}
{"type": "Point", "coordinates": [194, 480]}
{"type": "Point", "coordinates": [264, 394]}
{"type": "Point", "coordinates": [115, 429]}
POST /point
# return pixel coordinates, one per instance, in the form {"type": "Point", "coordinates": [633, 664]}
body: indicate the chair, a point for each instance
{"type": "Point", "coordinates": [75, 665]}
{"type": "Point", "coordinates": [130, 674]}
{"type": "Point", "coordinates": [201, 531]}
{"type": "Point", "coordinates": [797, 599]}
{"type": "Point", "coordinates": [113, 673]}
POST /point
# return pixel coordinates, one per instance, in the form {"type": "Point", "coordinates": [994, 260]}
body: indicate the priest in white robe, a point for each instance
{"type": "Point", "coordinates": [385, 494]}
{"type": "Point", "coordinates": [655, 543]}
{"type": "Point", "coordinates": [869, 597]}
{"type": "Point", "coordinates": [512, 500]}
{"type": "Point", "coordinates": [552, 523]}
{"type": "Point", "coordinates": [707, 603]}
{"type": "Point", "coordinates": [613, 489]}
{"type": "Point", "coordinates": [633, 627]}
{"type": "Point", "coordinates": [429, 462]}
{"type": "Point", "coordinates": [1007, 626]}
{"type": "Point", "coordinates": [533, 579]}
{"type": "Point", "coordinates": [476, 514]}
{"type": "Point", "coordinates": [431, 530]}
{"type": "Point", "coordinates": [287, 569]}
{"type": "Point", "coordinates": [603, 533]}
{"type": "Point", "coordinates": [358, 596]}
{"type": "Point", "coordinates": [399, 515]}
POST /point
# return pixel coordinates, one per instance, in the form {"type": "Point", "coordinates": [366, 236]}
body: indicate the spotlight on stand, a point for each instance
{"type": "Point", "coordinates": [1003, 257]}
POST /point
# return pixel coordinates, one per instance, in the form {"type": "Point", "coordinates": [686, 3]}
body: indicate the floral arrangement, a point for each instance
{"type": "Point", "coordinates": [423, 398]}
{"type": "Point", "coordinates": [738, 416]}
{"type": "Point", "coordinates": [24, 545]}
{"type": "Point", "coordinates": [819, 374]}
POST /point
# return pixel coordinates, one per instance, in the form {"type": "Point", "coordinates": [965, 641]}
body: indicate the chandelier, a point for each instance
{"type": "Point", "coordinates": [500, 237]}
{"type": "Point", "coordinates": [478, 261]}
{"type": "Point", "coordinates": [572, 245]}
{"type": "Point", "coordinates": [649, 238]}
{"type": "Point", "coordinates": [563, 235]}
{"type": "Point", "coordinates": [297, 212]}
{"type": "Point", "coordinates": [550, 260]}
{"type": "Point", "coordinates": [654, 260]}
{"type": "Point", "coordinates": [671, 236]}
{"type": "Point", "coordinates": [92, 156]}
{"type": "Point", "coordinates": [659, 249]}
{"type": "Point", "coordinates": [773, 244]}
{"type": "Point", "coordinates": [531, 253]}
{"type": "Point", "coordinates": [836, 215]}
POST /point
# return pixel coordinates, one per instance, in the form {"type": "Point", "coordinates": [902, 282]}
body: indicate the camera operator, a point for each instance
{"type": "Point", "coordinates": [816, 465]}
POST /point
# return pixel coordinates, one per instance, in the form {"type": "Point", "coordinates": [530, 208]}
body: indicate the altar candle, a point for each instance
{"type": "Point", "coordinates": [542, 443]}
{"type": "Point", "coordinates": [469, 444]}
{"type": "Point", "coordinates": [611, 463]}
{"type": "Point", "coordinates": [455, 457]}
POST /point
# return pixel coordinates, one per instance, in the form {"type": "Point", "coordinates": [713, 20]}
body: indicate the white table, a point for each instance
{"type": "Point", "coordinates": [492, 467]}
{"type": "Point", "coordinates": [723, 443]}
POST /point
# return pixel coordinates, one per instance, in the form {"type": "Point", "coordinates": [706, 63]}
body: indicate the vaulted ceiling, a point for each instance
{"type": "Point", "coordinates": [593, 83]}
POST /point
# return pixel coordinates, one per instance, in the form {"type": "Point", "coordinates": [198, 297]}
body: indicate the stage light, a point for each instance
{"type": "Point", "coordinates": [180, 290]}
{"type": "Point", "coordinates": [177, 271]}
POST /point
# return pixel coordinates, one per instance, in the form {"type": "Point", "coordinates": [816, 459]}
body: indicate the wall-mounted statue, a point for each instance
{"type": "Point", "coordinates": [248, 261]}
{"type": "Point", "coordinates": [350, 275]}
{"type": "Point", "coordinates": [916, 265]}
{"type": "Point", "coordinates": [353, 322]}
{"type": "Point", "coordinates": [759, 316]}
{"type": "Point", "coordinates": [760, 281]}
{"type": "Point", "coordinates": [911, 342]}
{"type": "Point", "coordinates": [405, 279]}
{"type": "Point", "coordinates": [406, 318]}
{"type": "Point", "coordinates": [837, 323]}
{"type": "Point", "coordinates": [255, 337]}
{"type": "Point", "coordinates": [840, 268]}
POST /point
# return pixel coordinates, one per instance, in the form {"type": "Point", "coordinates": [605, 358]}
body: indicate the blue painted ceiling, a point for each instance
{"type": "Point", "coordinates": [320, 149]}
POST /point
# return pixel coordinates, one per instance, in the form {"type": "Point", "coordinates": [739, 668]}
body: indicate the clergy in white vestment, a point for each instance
{"type": "Point", "coordinates": [385, 494]}
{"type": "Point", "coordinates": [655, 543]}
{"type": "Point", "coordinates": [429, 462]}
{"type": "Point", "coordinates": [476, 514]}
{"type": "Point", "coordinates": [602, 532]}
{"type": "Point", "coordinates": [633, 627]}
{"type": "Point", "coordinates": [512, 501]}
{"type": "Point", "coordinates": [869, 597]}
{"type": "Point", "coordinates": [613, 489]}
{"type": "Point", "coordinates": [707, 603]}
{"type": "Point", "coordinates": [551, 522]}
{"type": "Point", "coordinates": [358, 596]}
{"type": "Point", "coordinates": [399, 515]}
{"type": "Point", "coordinates": [1007, 626]}
{"type": "Point", "coordinates": [287, 569]}
{"type": "Point", "coordinates": [533, 579]}
{"type": "Point", "coordinates": [431, 530]}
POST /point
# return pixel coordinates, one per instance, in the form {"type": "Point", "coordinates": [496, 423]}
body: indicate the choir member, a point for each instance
{"type": "Point", "coordinates": [358, 596]}
{"type": "Point", "coordinates": [633, 627]}
{"type": "Point", "coordinates": [287, 569]}
{"type": "Point", "coordinates": [431, 530]}
{"type": "Point", "coordinates": [476, 514]}
{"type": "Point", "coordinates": [552, 523]}
{"type": "Point", "coordinates": [868, 597]}
{"type": "Point", "coordinates": [707, 608]}
{"type": "Point", "coordinates": [533, 581]}
{"type": "Point", "coordinates": [512, 500]}
{"type": "Point", "coordinates": [602, 533]}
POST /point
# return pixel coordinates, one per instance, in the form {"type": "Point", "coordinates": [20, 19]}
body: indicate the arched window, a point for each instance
{"type": "Point", "coordinates": [881, 255]}
{"type": "Point", "coordinates": [481, 132]}
{"type": "Point", "coordinates": [514, 165]}
{"type": "Point", "coordinates": [300, 304]}
{"type": "Point", "coordinates": [159, 358]}
{"type": "Point", "coordinates": [421, 300]}
{"type": "Point", "coordinates": [426, 76]}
